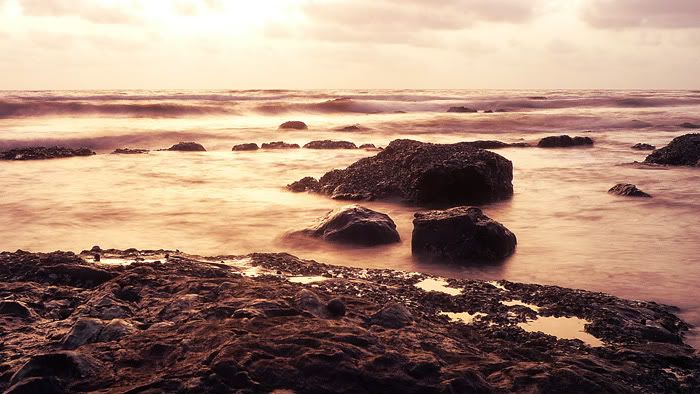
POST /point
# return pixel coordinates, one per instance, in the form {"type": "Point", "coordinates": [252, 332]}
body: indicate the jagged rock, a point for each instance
{"type": "Point", "coordinates": [305, 184]}
{"type": "Point", "coordinates": [245, 147]}
{"type": "Point", "coordinates": [626, 189]}
{"type": "Point", "coordinates": [356, 225]}
{"type": "Point", "coordinates": [129, 151]}
{"type": "Point", "coordinates": [187, 147]}
{"type": "Point", "coordinates": [643, 146]}
{"type": "Point", "coordinates": [462, 110]}
{"type": "Point", "coordinates": [682, 151]}
{"type": "Point", "coordinates": [461, 234]}
{"type": "Point", "coordinates": [392, 315]}
{"type": "Point", "coordinates": [564, 141]}
{"type": "Point", "coordinates": [279, 145]}
{"type": "Point", "coordinates": [328, 144]}
{"type": "Point", "coordinates": [44, 153]}
{"type": "Point", "coordinates": [294, 125]}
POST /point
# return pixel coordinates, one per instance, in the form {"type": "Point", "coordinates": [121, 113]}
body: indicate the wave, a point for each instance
{"type": "Point", "coordinates": [149, 140]}
{"type": "Point", "coordinates": [338, 105]}
{"type": "Point", "coordinates": [10, 109]}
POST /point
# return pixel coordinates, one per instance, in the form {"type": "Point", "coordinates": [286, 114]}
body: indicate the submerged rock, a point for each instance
{"type": "Point", "coordinates": [328, 144]}
{"type": "Point", "coordinates": [688, 125]}
{"type": "Point", "coordinates": [564, 141]}
{"type": "Point", "coordinates": [682, 151]}
{"type": "Point", "coordinates": [187, 147]}
{"type": "Point", "coordinates": [245, 147]}
{"type": "Point", "coordinates": [358, 225]}
{"type": "Point", "coordinates": [643, 146]}
{"type": "Point", "coordinates": [129, 151]}
{"type": "Point", "coordinates": [627, 189]}
{"type": "Point", "coordinates": [354, 127]}
{"type": "Point", "coordinates": [424, 173]}
{"type": "Point", "coordinates": [461, 234]}
{"type": "Point", "coordinates": [305, 184]}
{"type": "Point", "coordinates": [294, 125]}
{"type": "Point", "coordinates": [279, 145]}
{"type": "Point", "coordinates": [462, 110]}
{"type": "Point", "coordinates": [44, 153]}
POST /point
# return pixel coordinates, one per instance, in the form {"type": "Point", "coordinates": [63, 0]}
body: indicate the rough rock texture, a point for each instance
{"type": "Point", "coordinates": [462, 110]}
{"type": "Point", "coordinates": [129, 151]}
{"type": "Point", "coordinates": [688, 125]}
{"type": "Point", "coordinates": [199, 325]}
{"type": "Point", "coordinates": [187, 147]}
{"type": "Point", "coordinates": [564, 141]}
{"type": "Point", "coordinates": [279, 145]}
{"type": "Point", "coordinates": [643, 146]}
{"type": "Point", "coordinates": [44, 153]}
{"type": "Point", "coordinates": [245, 147]}
{"type": "Point", "coordinates": [682, 151]}
{"type": "Point", "coordinates": [424, 173]}
{"type": "Point", "coordinates": [626, 189]}
{"type": "Point", "coordinates": [461, 235]}
{"type": "Point", "coordinates": [294, 125]}
{"type": "Point", "coordinates": [354, 224]}
{"type": "Point", "coordinates": [305, 184]}
{"type": "Point", "coordinates": [328, 144]}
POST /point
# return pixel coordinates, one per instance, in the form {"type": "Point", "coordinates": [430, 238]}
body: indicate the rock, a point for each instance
{"type": "Point", "coordinates": [44, 153]}
{"type": "Point", "coordinates": [279, 145]}
{"type": "Point", "coordinates": [15, 309]}
{"type": "Point", "coordinates": [305, 184]}
{"type": "Point", "coordinates": [688, 125]}
{"type": "Point", "coordinates": [626, 189]}
{"type": "Point", "coordinates": [62, 365]}
{"type": "Point", "coordinates": [357, 225]}
{"type": "Point", "coordinates": [462, 110]}
{"type": "Point", "coordinates": [115, 329]}
{"type": "Point", "coordinates": [461, 234]}
{"type": "Point", "coordinates": [307, 300]}
{"type": "Point", "coordinates": [393, 316]}
{"type": "Point", "coordinates": [368, 146]}
{"type": "Point", "coordinates": [85, 330]}
{"type": "Point", "coordinates": [129, 151]}
{"type": "Point", "coordinates": [336, 307]}
{"type": "Point", "coordinates": [328, 144]}
{"type": "Point", "coordinates": [354, 127]}
{"type": "Point", "coordinates": [682, 151]}
{"type": "Point", "coordinates": [43, 385]}
{"type": "Point", "coordinates": [424, 173]}
{"type": "Point", "coordinates": [294, 125]}
{"type": "Point", "coordinates": [643, 146]}
{"type": "Point", "coordinates": [187, 147]}
{"type": "Point", "coordinates": [563, 141]}
{"type": "Point", "coordinates": [488, 111]}
{"type": "Point", "coordinates": [245, 147]}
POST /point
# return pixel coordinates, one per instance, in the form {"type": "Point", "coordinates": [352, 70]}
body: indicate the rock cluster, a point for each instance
{"type": "Point", "coordinates": [44, 153]}
{"type": "Point", "coordinates": [682, 151]}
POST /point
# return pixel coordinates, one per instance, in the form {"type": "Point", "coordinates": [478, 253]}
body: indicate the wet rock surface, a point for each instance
{"type": "Point", "coordinates": [425, 174]}
{"type": "Point", "coordinates": [357, 225]}
{"type": "Point", "coordinates": [129, 151]}
{"type": "Point", "coordinates": [199, 324]}
{"type": "Point", "coordinates": [187, 147]}
{"type": "Point", "coordinates": [44, 153]}
{"type": "Point", "coordinates": [643, 146]}
{"type": "Point", "coordinates": [294, 125]}
{"type": "Point", "coordinates": [564, 141]}
{"type": "Point", "coordinates": [245, 147]}
{"type": "Point", "coordinates": [328, 144]}
{"type": "Point", "coordinates": [279, 145]}
{"type": "Point", "coordinates": [461, 235]}
{"type": "Point", "coordinates": [682, 151]}
{"type": "Point", "coordinates": [627, 190]}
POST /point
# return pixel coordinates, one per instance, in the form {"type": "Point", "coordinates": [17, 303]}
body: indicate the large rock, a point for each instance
{"type": "Point", "coordinates": [424, 173]}
{"type": "Point", "coordinates": [461, 234]}
{"type": "Point", "coordinates": [44, 153]}
{"type": "Point", "coordinates": [245, 147]}
{"type": "Point", "coordinates": [564, 141]}
{"type": "Point", "coordinates": [682, 151]}
{"type": "Point", "coordinates": [328, 144]}
{"type": "Point", "coordinates": [187, 147]}
{"type": "Point", "coordinates": [294, 125]}
{"type": "Point", "coordinates": [279, 145]}
{"type": "Point", "coordinates": [628, 190]}
{"type": "Point", "coordinates": [356, 225]}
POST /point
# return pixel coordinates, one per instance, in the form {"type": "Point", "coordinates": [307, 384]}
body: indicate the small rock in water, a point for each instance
{"type": "Point", "coordinates": [462, 110]}
{"type": "Point", "coordinates": [305, 184]}
{"type": "Point", "coordinates": [643, 146]}
{"type": "Point", "coordinates": [336, 307]}
{"type": "Point", "coordinates": [294, 125]}
{"type": "Point", "coordinates": [245, 147]}
{"type": "Point", "coordinates": [328, 144]}
{"type": "Point", "coordinates": [627, 189]}
{"type": "Point", "coordinates": [367, 146]}
{"type": "Point", "coordinates": [564, 141]}
{"type": "Point", "coordinates": [682, 151]}
{"type": "Point", "coordinates": [358, 225]}
{"type": "Point", "coordinates": [187, 147]}
{"type": "Point", "coordinates": [44, 153]}
{"type": "Point", "coordinates": [96, 257]}
{"type": "Point", "coordinates": [129, 151]}
{"type": "Point", "coordinates": [279, 145]}
{"type": "Point", "coordinates": [354, 127]}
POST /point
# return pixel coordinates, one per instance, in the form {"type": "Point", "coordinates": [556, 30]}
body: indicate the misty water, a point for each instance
{"type": "Point", "coordinates": [570, 231]}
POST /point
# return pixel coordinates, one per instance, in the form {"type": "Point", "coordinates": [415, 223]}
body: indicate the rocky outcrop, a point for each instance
{"type": "Point", "coordinates": [460, 235]}
{"type": "Point", "coordinates": [245, 147]}
{"type": "Point", "coordinates": [682, 151]}
{"type": "Point", "coordinates": [328, 144]}
{"type": "Point", "coordinates": [279, 145]}
{"type": "Point", "coordinates": [462, 110]}
{"type": "Point", "coordinates": [424, 173]}
{"type": "Point", "coordinates": [628, 190]}
{"type": "Point", "coordinates": [564, 141]}
{"type": "Point", "coordinates": [357, 225]}
{"type": "Point", "coordinates": [200, 325]}
{"type": "Point", "coordinates": [643, 146]}
{"type": "Point", "coordinates": [129, 151]}
{"type": "Point", "coordinates": [293, 125]}
{"type": "Point", "coordinates": [44, 153]}
{"type": "Point", "coordinates": [187, 147]}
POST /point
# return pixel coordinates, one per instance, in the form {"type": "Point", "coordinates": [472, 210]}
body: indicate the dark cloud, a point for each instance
{"type": "Point", "coordinates": [619, 14]}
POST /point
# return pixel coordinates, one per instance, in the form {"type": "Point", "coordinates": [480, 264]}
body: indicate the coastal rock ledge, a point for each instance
{"type": "Point", "coordinates": [164, 321]}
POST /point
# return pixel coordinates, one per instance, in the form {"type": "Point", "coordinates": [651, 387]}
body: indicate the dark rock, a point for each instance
{"type": "Point", "coordinates": [245, 147]}
{"type": "Point", "coordinates": [367, 146]}
{"type": "Point", "coordinates": [129, 151]}
{"type": "Point", "coordinates": [64, 365]}
{"type": "Point", "coordinates": [424, 173]}
{"type": "Point", "coordinates": [15, 309]}
{"type": "Point", "coordinates": [85, 330]}
{"type": "Point", "coordinates": [461, 234]}
{"type": "Point", "coordinates": [305, 184]}
{"type": "Point", "coordinates": [356, 225]}
{"type": "Point", "coordinates": [354, 127]}
{"type": "Point", "coordinates": [37, 385]}
{"type": "Point", "coordinates": [643, 146]}
{"type": "Point", "coordinates": [328, 144]}
{"type": "Point", "coordinates": [294, 125]}
{"type": "Point", "coordinates": [279, 145]}
{"type": "Point", "coordinates": [488, 111]}
{"type": "Point", "coordinates": [187, 147]}
{"type": "Point", "coordinates": [682, 151]}
{"type": "Point", "coordinates": [564, 141]}
{"type": "Point", "coordinates": [44, 153]}
{"type": "Point", "coordinates": [462, 110]}
{"type": "Point", "coordinates": [393, 316]}
{"type": "Point", "coordinates": [336, 307]}
{"type": "Point", "coordinates": [688, 125]}
{"type": "Point", "coordinates": [626, 189]}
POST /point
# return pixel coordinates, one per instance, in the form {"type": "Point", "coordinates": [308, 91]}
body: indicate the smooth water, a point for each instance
{"type": "Point", "coordinates": [570, 231]}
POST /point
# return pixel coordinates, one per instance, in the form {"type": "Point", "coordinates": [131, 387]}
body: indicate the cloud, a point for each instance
{"type": "Point", "coordinates": [112, 12]}
{"type": "Point", "coordinates": [620, 14]}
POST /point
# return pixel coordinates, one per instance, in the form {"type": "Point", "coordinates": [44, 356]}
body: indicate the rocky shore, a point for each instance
{"type": "Point", "coordinates": [163, 321]}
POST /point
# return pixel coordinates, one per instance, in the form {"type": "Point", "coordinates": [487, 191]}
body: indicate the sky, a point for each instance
{"type": "Point", "coordinates": [363, 44]}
